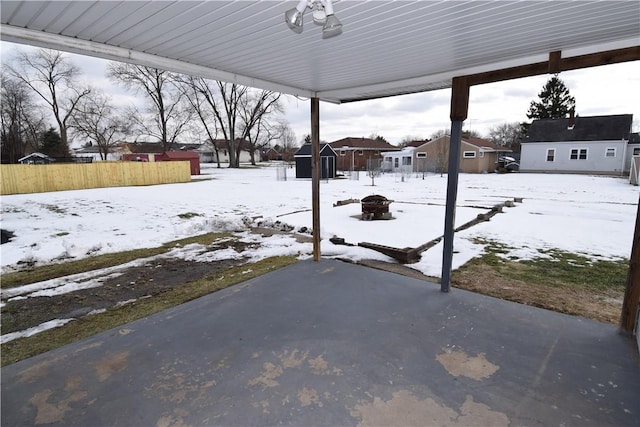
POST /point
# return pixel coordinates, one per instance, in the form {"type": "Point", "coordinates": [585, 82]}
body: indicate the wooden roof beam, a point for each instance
{"type": "Point", "coordinates": [557, 64]}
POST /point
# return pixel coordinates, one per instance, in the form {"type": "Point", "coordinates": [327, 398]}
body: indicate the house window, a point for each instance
{"type": "Point", "coordinates": [636, 151]}
{"type": "Point", "coordinates": [360, 152]}
{"type": "Point", "coordinates": [406, 161]}
{"type": "Point", "coordinates": [343, 153]}
{"type": "Point", "coordinates": [551, 154]}
{"type": "Point", "coordinates": [469, 154]}
{"type": "Point", "coordinates": [610, 152]}
{"type": "Point", "coordinates": [396, 162]}
{"type": "Point", "coordinates": [578, 154]}
{"type": "Point", "coordinates": [421, 155]}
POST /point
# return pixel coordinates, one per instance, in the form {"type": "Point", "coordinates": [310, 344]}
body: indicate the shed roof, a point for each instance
{"type": "Point", "coordinates": [36, 154]}
{"type": "Point", "coordinates": [305, 150]}
{"type": "Point", "coordinates": [386, 48]}
{"type": "Point", "coordinates": [592, 128]}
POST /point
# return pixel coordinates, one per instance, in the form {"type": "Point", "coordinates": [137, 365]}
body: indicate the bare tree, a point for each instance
{"type": "Point", "coordinates": [256, 110]}
{"type": "Point", "coordinates": [508, 135]}
{"type": "Point", "coordinates": [410, 138]}
{"type": "Point", "coordinates": [97, 120]}
{"type": "Point", "coordinates": [167, 106]}
{"type": "Point", "coordinates": [445, 132]}
{"type": "Point", "coordinates": [237, 109]}
{"type": "Point", "coordinates": [21, 120]}
{"type": "Point", "coordinates": [222, 102]}
{"type": "Point", "coordinates": [200, 98]}
{"type": "Point", "coordinates": [287, 144]}
{"type": "Point", "coordinates": [54, 78]}
{"type": "Point", "coordinates": [471, 133]}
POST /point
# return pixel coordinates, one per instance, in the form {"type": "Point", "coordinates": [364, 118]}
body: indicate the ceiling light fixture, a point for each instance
{"type": "Point", "coordinates": [322, 15]}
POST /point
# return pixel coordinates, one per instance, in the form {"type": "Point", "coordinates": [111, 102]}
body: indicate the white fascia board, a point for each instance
{"type": "Point", "coordinates": [14, 34]}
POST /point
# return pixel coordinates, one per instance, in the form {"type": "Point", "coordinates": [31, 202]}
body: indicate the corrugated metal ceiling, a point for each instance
{"type": "Point", "coordinates": [387, 47]}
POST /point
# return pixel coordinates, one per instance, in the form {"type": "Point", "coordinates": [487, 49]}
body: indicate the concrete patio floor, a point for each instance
{"type": "Point", "coordinates": [331, 343]}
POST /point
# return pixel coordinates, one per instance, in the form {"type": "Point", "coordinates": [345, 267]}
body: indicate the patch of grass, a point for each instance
{"type": "Point", "coordinates": [568, 269]}
{"type": "Point", "coordinates": [53, 271]}
{"type": "Point", "coordinates": [555, 267]}
{"type": "Point", "coordinates": [61, 234]}
{"type": "Point", "coordinates": [188, 215]}
{"type": "Point", "coordinates": [54, 209]}
{"type": "Point", "coordinates": [85, 327]}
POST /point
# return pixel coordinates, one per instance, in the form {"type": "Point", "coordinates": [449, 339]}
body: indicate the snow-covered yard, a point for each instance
{"type": "Point", "coordinates": [585, 214]}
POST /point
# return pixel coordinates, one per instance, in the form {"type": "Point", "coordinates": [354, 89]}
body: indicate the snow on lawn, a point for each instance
{"type": "Point", "coordinates": [585, 214]}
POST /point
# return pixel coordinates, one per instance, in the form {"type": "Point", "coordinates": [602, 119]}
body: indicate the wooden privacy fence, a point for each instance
{"type": "Point", "coordinates": [23, 179]}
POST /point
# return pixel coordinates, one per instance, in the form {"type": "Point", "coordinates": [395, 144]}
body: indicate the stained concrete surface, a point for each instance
{"type": "Point", "coordinates": [331, 343]}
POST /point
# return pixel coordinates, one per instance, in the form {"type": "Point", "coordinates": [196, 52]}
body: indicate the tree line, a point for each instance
{"type": "Point", "coordinates": [45, 83]}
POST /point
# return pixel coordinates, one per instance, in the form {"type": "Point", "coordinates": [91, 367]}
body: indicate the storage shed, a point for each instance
{"type": "Point", "coordinates": [327, 161]}
{"type": "Point", "coordinates": [191, 156]}
{"type": "Point", "coordinates": [36, 159]}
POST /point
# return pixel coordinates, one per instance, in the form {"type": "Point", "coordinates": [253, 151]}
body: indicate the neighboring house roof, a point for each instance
{"type": "Point", "coordinates": [363, 144]}
{"type": "Point", "coordinates": [483, 143]}
{"type": "Point", "coordinates": [187, 147]}
{"type": "Point", "coordinates": [87, 150]}
{"type": "Point", "coordinates": [176, 155]}
{"type": "Point", "coordinates": [592, 128]}
{"type": "Point", "coordinates": [38, 155]}
{"type": "Point", "coordinates": [143, 147]}
{"type": "Point", "coordinates": [305, 150]}
{"type": "Point", "coordinates": [480, 143]}
{"type": "Point", "coordinates": [416, 144]}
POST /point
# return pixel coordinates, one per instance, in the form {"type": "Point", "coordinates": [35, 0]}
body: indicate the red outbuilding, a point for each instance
{"type": "Point", "coordinates": [191, 156]}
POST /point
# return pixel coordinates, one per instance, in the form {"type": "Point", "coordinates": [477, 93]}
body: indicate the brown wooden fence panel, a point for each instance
{"type": "Point", "coordinates": [23, 179]}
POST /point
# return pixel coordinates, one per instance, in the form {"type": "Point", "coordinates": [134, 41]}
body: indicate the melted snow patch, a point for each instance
{"type": "Point", "coordinates": [35, 330]}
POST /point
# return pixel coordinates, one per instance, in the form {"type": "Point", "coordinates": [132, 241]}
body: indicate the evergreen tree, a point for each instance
{"type": "Point", "coordinates": [52, 144]}
{"type": "Point", "coordinates": [555, 101]}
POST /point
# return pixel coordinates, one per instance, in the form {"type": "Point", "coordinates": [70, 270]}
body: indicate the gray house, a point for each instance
{"type": "Point", "coordinates": [593, 145]}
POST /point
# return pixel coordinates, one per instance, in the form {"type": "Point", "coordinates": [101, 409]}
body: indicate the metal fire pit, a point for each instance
{"type": "Point", "coordinates": [375, 207]}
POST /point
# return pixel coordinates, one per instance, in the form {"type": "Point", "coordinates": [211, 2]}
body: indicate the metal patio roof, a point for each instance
{"type": "Point", "coordinates": [387, 47]}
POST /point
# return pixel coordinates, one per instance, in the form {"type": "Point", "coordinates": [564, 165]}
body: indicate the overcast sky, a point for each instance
{"type": "Point", "coordinates": [611, 89]}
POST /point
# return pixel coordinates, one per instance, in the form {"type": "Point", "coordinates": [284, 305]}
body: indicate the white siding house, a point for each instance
{"type": "Point", "coordinates": [398, 161]}
{"type": "Point", "coordinates": [598, 144]}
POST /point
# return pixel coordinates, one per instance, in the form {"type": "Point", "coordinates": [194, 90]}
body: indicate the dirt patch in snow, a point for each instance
{"type": "Point", "coordinates": [149, 280]}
